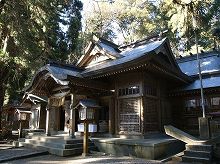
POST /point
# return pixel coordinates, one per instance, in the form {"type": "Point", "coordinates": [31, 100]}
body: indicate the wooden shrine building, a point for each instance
{"type": "Point", "coordinates": [140, 87]}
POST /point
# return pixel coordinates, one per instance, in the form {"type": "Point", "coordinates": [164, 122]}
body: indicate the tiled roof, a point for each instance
{"type": "Point", "coordinates": [210, 63]}
{"type": "Point", "coordinates": [210, 69]}
{"type": "Point", "coordinates": [88, 103]}
{"type": "Point", "coordinates": [129, 55]}
{"type": "Point", "coordinates": [61, 72]}
{"type": "Point", "coordinates": [209, 82]}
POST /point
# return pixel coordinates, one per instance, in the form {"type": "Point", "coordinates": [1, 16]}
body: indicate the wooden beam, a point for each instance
{"type": "Point", "coordinates": [60, 94]}
{"type": "Point", "coordinates": [88, 83]}
{"type": "Point", "coordinates": [60, 88]}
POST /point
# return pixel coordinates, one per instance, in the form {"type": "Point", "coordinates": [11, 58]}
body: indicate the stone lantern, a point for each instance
{"type": "Point", "coordinates": [22, 115]}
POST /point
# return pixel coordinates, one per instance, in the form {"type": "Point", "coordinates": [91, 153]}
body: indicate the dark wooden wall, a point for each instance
{"type": "Point", "coordinates": [186, 115]}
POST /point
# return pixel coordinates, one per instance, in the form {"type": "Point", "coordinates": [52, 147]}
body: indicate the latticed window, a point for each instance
{"type": "Point", "coordinates": [215, 102]}
{"type": "Point", "coordinates": [131, 90]}
{"type": "Point", "coordinates": [193, 104]}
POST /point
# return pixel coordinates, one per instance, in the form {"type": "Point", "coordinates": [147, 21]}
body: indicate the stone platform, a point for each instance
{"type": "Point", "coordinates": [60, 145]}
{"type": "Point", "coordinates": [152, 147]}
{"type": "Point", "coordinates": [158, 147]}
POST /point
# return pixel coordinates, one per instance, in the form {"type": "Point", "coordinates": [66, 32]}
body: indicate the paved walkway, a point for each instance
{"type": "Point", "coordinates": [8, 153]}
{"type": "Point", "coordinates": [22, 155]}
{"type": "Point", "coordinates": [80, 160]}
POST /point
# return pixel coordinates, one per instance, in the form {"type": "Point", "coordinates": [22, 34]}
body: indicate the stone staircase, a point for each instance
{"type": "Point", "coordinates": [58, 145]}
{"type": "Point", "coordinates": [198, 153]}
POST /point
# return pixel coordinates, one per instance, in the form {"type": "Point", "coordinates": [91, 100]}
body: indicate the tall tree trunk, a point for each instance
{"type": "Point", "coordinates": [2, 95]}
{"type": "Point", "coordinates": [4, 75]}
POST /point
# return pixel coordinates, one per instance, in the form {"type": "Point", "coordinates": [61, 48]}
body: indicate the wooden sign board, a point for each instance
{"type": "Point", "coordinates": [56, 102]}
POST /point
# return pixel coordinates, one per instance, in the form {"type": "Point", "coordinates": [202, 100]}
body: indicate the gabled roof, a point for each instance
{"type": "Point", "coordinates": [99, 46]}
{"type": "Point", "coordinates": [87, 103]}
{"type": "Point", "coordinates": [61, 71]}
{"type": "Point", "coordinates": [22, 111]}
{"type": "Point", "coordinates": [129, 55]}
{"type": "Point", "coordinates": [58, 72]}
{"type": "Point", "coordinates": [135, 56]}
{"type": "Point", "coordinates": [151, 54]}
{"type": "Point", "coordinates": [33, 99]}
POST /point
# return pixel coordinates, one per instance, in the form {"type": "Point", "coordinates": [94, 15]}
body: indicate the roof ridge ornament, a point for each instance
{"type": "Point", "coordinates": [150, 38]}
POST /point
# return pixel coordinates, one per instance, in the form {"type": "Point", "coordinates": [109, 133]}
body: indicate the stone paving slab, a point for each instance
{"type": "Point", "coordinates": [8, 153]}
{"type": "Point", "coordinates": [93, 159]}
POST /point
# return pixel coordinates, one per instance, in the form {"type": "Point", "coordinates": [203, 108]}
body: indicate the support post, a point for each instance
{"type": "Point", "coordinates": [48, 119]}
{"type": "Point", "coordinates": [204, 128]}
{"type": "Point", "coordinates": [200, 77]}
{"type": "Point", "coordinates": [20, 130]}
{"type": "Point", "coordinates": [72, 117]}
{"type": "Point", "coordinates": [204, 122]}
{"type": "Point", "coordinates": [85, 139]}
{"type": "Point", "coordinates": [111, 118]}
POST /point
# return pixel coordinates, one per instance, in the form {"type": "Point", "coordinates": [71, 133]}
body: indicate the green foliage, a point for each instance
{"type": "Point", "coordinates": [185, 16]}
{"type": "Point", "coordinates": [136, 19]}
{"type": "Point", "coordinates": [132, 19]}
{"type": "Point", "coordinates": [31, 34]}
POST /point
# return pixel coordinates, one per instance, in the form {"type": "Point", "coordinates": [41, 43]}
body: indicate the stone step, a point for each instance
{"type": "Point", "coordinates": [61, 139]}
{"type": "Point", "coordinates": [195, 159]}
{"type": "Point", "coordinates": [53, 144]}
{"type": "Point", "coordinates": [207, 148]}
{"type": "Point", "coordinates": [57, 151]}
{"type": "Point", "coordinates": [202, 154]}
{"type": "Point", "coordinates": [65, 152]}
{"type": "Point", "coordinates": [60, 145]}
{"type": "Point", "coordinates": [177, 157]}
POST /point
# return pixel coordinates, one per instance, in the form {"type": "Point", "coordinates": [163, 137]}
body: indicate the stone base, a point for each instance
{"type": "Point", "coordinates": [154, 148]}
{"type": "Point", "coordinates": [204, 128]}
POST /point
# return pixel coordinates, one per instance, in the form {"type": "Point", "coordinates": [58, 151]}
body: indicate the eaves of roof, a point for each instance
{"type": "Point", "coordinates": [58, 73]}
{"type": "Point", "coordinates": [131, 57]}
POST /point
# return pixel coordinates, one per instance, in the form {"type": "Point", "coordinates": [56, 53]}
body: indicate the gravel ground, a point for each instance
{"type": "Point", "coordinates": [94, 159]}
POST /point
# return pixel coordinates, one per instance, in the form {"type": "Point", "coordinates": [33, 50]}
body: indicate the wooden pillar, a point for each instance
{"type": "Point", "coordinates": [111, 116]}
{"type": "Point", "coordinates": [48, 119]}
{"type": "Point", "coordinates": [72, 116]}
{"type": "Point", "coordinates": [116, 114]}
{"type": "Point", "coordinates": [48, 122]}
{"type": "Point", "coordinates": [20, 129]}
{"type": "Point", "coordinates": [85, 140]}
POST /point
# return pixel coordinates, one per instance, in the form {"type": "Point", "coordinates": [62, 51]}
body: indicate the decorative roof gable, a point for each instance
{"type": "Point", "coordinates": [98, 51]}
{"type": "Point", "coordinates": [166, 56]}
